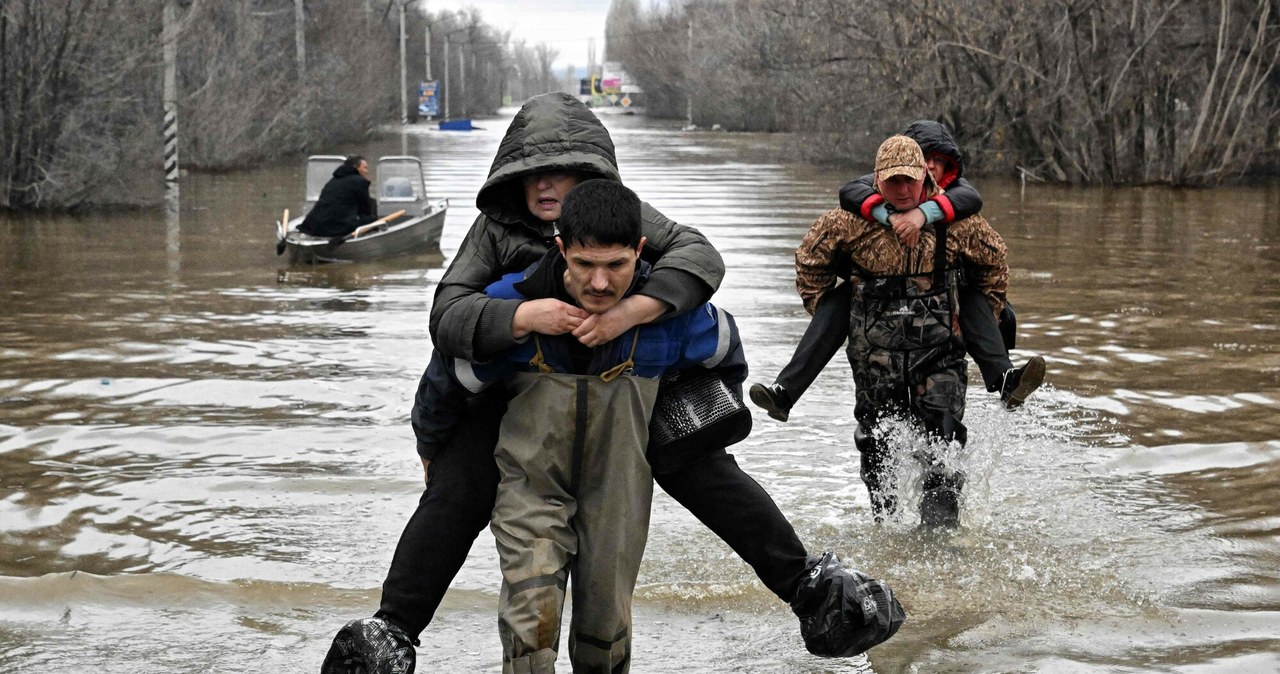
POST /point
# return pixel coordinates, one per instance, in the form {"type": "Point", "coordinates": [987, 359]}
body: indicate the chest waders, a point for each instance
{"type": "Point", "coordinates": [907, 358]}
{"type": "Point", "coordinates": [573, 501]}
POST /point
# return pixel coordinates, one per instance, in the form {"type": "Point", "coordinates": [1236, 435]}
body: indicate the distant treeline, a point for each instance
{"type": "Point", "coordinates": [1079, 91]}
{"type": "Point", "coordinates": [81, 86]}
{"type": "Point", "coordinates": [1084, 91]}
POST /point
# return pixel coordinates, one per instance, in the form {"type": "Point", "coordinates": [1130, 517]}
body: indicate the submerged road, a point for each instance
{"type": "Point", "coordinates": [205, 457]}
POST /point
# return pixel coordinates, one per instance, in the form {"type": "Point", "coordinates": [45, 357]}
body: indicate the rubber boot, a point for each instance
{"type": "Point", "coordinates": [842, 611]}
{"type": "Point", "coordinates": [940, 504]}
{"type": "Point", "coordinates": [370, 646]}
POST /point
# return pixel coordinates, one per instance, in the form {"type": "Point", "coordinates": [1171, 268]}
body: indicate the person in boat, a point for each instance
{"type": "Point", "coordinates": [987, 338]}
{"type": "Point", "coordinates": [344, 202]}
{"type": "Point", "coordinates": [553, 143]}
{"type": "Point", "coordinates": [906, 355]}
{"type": "Point", "coordinates": [574, 494]}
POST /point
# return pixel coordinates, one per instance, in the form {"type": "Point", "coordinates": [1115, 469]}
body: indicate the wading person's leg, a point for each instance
{"type": "Point", "coordinates": [738, 510]}
{"type": "Point", "coordinates": [983, 341]}
{"type": "Point", "coordinates": [453, 509]}
{"type": "Point", "coordinates": [822, 338]}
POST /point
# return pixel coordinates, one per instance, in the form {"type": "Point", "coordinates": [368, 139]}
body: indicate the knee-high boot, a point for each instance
{"type": "Point", "coordinates": [940, 501]}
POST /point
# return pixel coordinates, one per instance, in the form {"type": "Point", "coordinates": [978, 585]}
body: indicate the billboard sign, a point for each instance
{"type": "Point", "coordinates": [428, 99]}
{"type": "Point", "coordinates": [612, 77]}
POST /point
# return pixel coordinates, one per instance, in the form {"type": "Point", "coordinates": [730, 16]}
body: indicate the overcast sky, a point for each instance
{"type": "Point", "coordinates": [565, 25]}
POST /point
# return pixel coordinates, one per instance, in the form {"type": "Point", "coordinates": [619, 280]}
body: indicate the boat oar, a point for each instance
{"type": "Point", "coordinates": [282, 230]}
{"type": "Point", "coordinates": [373, 225]}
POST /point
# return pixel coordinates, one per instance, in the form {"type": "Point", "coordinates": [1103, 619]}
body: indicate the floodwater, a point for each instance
{"type": "Point", "coordinates": [205, 458]}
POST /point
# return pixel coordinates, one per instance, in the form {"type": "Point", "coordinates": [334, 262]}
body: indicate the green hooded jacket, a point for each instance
{"type": "Point", "coordinates": [551, 132]}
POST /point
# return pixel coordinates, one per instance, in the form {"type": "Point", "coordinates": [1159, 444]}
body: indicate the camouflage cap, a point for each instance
{"type": "Point", "coordinates": [900, 156]}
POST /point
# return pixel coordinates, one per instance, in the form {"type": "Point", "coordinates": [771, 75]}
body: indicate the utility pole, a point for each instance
{"type": "Point", "coordinates": [169, 42]}
{"type": "Point", "coordinates": [462, 79]}
{"type": "Point", "coordinates": [447, 98]}
{"type": "Point", "coordinates": [404, 82]}
{"type": "Point", "coordinates": [688, 75]}
{"type": "Point", "coordinates": [300, 37]}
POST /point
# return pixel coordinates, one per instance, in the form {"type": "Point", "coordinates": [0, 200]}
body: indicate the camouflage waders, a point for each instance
{"type": "Point", "coordinates": [573, 502]}
{"type": "Point", "coordinates": [907, 360]}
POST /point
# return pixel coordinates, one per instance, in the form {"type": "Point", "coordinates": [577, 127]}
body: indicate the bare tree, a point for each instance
{"type": "Point", "coordinates": [1099, 91]}
{"type": "Point", "coordinates": [1239, 104]}
{"type": "Point", "coordinates": [1095, 91]}
{"type": "Point", "coordinates": [243, 99]}
{"type": "Point", "coordinates": [80, 87]}
{"type": "Point", "coordinates": [70, 100]}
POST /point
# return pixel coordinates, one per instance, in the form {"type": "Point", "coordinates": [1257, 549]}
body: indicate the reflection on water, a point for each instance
{"type": "Point", "coordinates": [205, 459]}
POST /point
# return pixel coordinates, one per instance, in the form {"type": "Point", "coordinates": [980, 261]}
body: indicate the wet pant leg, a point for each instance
{"type": "Point", "coordinates": [982, 338]}
{"type": "Point", "coordinates": [532, 528]}
{"type": "Point", "coordinates": [453, 509]}
{"type": "Point", "coordinates": [822, 338]}
{"type": "Point", "coordinates": [939, 402]}
{"type": "Point", "coordinates": [940, 408]}
{"type": "Point", "coordinates": [615, 494]}
{"type": "Point", "coordinates": [877, 473]}
{"type": "Point", "coordinates": [530, 610]}
{"type": "Point", "coordinates": [573, 501]}
{"type": "Point", "coordinates": [879, 391]}
{"type": "Point", "coordinates": [738, 510]}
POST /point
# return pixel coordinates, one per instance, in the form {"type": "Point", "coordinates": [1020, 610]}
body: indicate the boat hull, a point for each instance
{"type": "Point", "coordinates": [410, 237]}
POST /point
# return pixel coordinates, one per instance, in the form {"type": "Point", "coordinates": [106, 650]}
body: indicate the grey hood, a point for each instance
{"type": "Point", "coordinates": [551, 132]}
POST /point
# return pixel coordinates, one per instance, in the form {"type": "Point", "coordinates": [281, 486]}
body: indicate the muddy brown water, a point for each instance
{"type": "Point", "coordinates": [205, 457]}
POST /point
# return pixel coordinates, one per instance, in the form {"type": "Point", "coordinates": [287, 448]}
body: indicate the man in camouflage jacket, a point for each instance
{"type": "Point", "coordinates": [904, 347]}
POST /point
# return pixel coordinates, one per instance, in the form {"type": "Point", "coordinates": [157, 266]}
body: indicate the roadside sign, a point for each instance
{"type": "Point", "coordinates": [428, 100]}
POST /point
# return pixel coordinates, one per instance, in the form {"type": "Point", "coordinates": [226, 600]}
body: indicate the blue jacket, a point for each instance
{"type": "Point", "coordinates": [704, 337]}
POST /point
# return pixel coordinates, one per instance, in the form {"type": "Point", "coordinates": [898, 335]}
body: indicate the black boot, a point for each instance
{"type": "Point", "coordinates": [940, 504]}
{"type": "Point", "coordinates": [843, 611]}
{"type": "Point", "coordinates": [773, 399]}
{"type": "Point", "coordinates": [370, 646]}
{"type": "Point", "coordinates": [1021, 382]}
